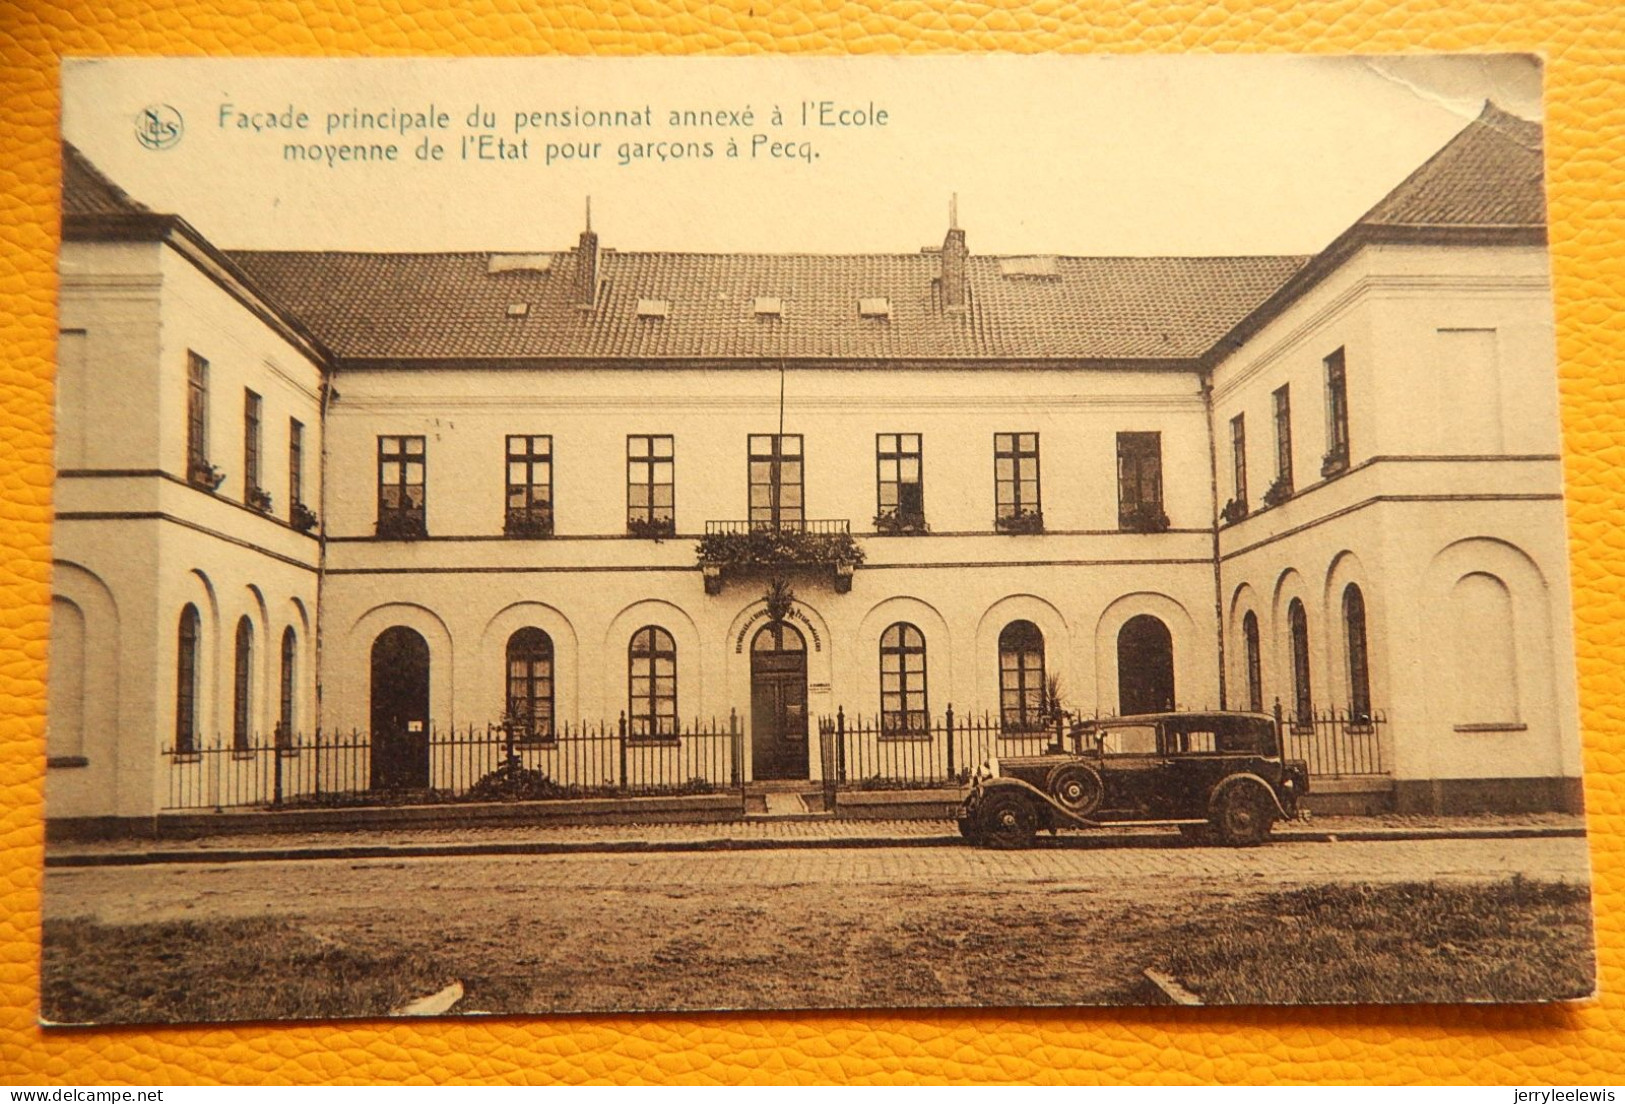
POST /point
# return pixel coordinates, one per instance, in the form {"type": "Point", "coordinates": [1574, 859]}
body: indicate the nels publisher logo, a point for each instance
{"type": "Point", "coordinates": [158, 126]}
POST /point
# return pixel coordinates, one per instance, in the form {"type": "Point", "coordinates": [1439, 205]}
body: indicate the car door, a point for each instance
{"type": "Point", "coordinates": [1131, 766]}
{"type": "Point", "coordinates": [1195, 763]}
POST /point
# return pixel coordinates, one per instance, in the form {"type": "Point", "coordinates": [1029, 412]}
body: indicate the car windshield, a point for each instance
{"type": "Point", "coordinates": [1129, 740]}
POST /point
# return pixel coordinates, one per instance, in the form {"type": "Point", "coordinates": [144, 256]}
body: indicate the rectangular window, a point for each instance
{"type": "Point", "coordinates": [650, 492]}
{"type": "Point", "coordinates": [530, 487]}
{"type": "Point", "coordinates": [1337, 417]}
{"type": "Point", "coordinates": [1238, 457]}
{"type": "Point", "coordinates": [1283, 441]}
{"type": "Point", "coordinates": [776, 481]}
{"type": "Point", "coordinates": [900, 482]}
{"type": "Point", "coordinates": [401, 498]}
{"type": "Point", "coordinates": [296, 463]}
{"type": "Point", "coordinates": [1015, 478]}
{"type": "Point", "coordinates": [197, 416]}
{"type": "Point", "coordinates": [1139, 482]}
{"type": "Point", "coordinates": [251, 448]}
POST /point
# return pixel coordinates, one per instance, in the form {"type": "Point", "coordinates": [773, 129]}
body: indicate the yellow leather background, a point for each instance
{"type": "Point", "coordinates": [1584, 43]}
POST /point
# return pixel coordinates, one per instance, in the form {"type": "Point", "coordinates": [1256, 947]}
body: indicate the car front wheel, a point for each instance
{"type": "Point", "coordinates": [1008, 822]}
{"type": "Point", "coordinates": [1243, 817]}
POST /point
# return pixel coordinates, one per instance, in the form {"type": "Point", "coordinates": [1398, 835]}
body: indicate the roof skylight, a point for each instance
{"type": "Point", "coordinates": [769, 306]}
{"type": "Point", "coordinates": [654, 308]}
{"type": "Point", "coordinates": [518, 262]}
{"type": "Point", "coordinates": [874, 306]}
{"type": "Point", "coordinates": [1029, 268]}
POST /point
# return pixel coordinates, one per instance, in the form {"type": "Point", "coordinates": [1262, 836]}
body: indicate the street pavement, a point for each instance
{"type": "Point", "coordinates": [772, 833]}
{"type": "Point", "coordinates": [305, 886]}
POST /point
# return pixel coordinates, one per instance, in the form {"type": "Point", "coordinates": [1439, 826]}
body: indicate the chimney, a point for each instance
{"type": "Point", "coordinates": [954, 254]}
{"type": "Point", "coordinates": [587, 265]}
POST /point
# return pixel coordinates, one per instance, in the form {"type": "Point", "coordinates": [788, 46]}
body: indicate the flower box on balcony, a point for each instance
{"type": "Point", "coordinates": [651, 528]}
{"type": "Point", "coordinates": [302, 517]}
{"type": "Point", "coordinates": [401, 525]}
{"type": "Point", "coordinates": [1335, 462]}
{"type": "Point", "coordinates": [742, 548]}
{"type": "Point", "coordinates": [1022, 521]}
{"type": "Point", "coordinates": [259, 499]}
{"type": "Point", "coordinates": [897, 524]}
{"type": "Point", "coordinates": [1143, 517]}
{"type": "Point", "coordinates": [1235, 510]}
{"type": "Point", "coordinates": [528, 523]}
{"type": "Point", "coordinates": [1279, 492]}
{"type": "Point", "coordinates": [201, 473]}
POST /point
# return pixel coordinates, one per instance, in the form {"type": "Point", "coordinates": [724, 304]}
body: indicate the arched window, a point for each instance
{"type": "Point", "coordinates": [1255, 667]}
{"type": "Point", "coordinates": [1021, 676]}
{"type": "Point", "coordinates": [284, 715]}
{"type": "Point", "coordinates": [242, 684]}
{"type": "Point", "coordinates": [1145, 666]}
{"type": "Point", "coordinates": [1359, 658]}
{"type": "Point", "coordinates": [1302, 697]}
{"type": "Point", "coordinates": [530, 683]}
{"type": "Point", "coordinates": [186, 682]}
{"type": "Point", "coordinates": [902, 680]}
{"type": "Point", "coordinates": [652, 690]}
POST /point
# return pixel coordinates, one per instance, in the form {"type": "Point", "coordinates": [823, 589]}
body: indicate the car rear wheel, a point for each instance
{"type": "Point", "coordinates": [1077, 787]}
{"type": "Point", "coordinates": [1243, 817]}
{"type": "Point", "coordinates": [1008, 822]}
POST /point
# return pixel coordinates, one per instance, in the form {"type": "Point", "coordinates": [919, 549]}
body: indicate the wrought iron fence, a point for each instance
{"type": "Point", "coordinates": [867, 753]}
{"type": "Point", "coordinates": [475, 762]}
{"type": "Point", "coordinates": [1336, 743]}
{"type": "Point", "coordinates": [864, 753]}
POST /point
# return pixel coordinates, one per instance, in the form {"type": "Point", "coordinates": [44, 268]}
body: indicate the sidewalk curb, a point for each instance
{"type": "Point", "coordinates": [639, 847]}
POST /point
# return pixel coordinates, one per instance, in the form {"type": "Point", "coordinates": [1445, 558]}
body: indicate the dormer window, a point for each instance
{"type": "Point", "coordinates": [768, 306]}
{"type": "Point", "coordinates": [874, 307]}
{"type": "Point", "coordinates": [654, 308]}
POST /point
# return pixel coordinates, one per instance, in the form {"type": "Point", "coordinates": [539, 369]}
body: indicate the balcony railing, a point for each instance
{"type": "Point", "coordinates": [816, 526]}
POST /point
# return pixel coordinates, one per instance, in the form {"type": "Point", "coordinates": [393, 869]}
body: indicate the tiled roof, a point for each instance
{"type": "Point", "coordinates": [449, 305]}
{"type": "Point", "coordinates": [1489, 175]}
{"type": "Point", "coordinates": [474, 306]}
{"type": "Point", "coordinates": [85, 191]}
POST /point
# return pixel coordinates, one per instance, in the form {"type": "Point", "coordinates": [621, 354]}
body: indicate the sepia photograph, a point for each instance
{"type": "Point", "coordinates": [541, 536]}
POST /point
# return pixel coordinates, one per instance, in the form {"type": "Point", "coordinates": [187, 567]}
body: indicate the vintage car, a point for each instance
{"type": "Point", "coordinates": [1214, 776]}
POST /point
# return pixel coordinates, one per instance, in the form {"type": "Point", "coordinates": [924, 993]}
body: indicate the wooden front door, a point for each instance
{"type": "Point", "coordinates": [778, 703]}
{"type": "Point", "coordinates": [400, 711]}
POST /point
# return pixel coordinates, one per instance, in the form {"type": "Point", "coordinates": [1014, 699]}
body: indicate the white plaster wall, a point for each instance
{"type": "Point", "coordinates": [466, 415]}
{"type": "Point", "coordinates": [1421, 505]}
{"type": "Point", "coordinates": [133, 548]}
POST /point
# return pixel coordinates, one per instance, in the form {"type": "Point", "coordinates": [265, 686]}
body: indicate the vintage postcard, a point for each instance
{"type": "Point", "coordinates": [603, 535]}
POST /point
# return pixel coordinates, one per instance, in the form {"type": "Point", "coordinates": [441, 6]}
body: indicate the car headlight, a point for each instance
{"type": "Point", "coordinates": [990, 767]}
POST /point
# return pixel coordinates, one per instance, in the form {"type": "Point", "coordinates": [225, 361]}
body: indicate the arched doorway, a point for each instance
{"type": "Point", "coordinates": [778, 703]}
{"type": "Point", "coordinates": [400, 710]}
{"type": "Point", "coordinates": [1145, 666]}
